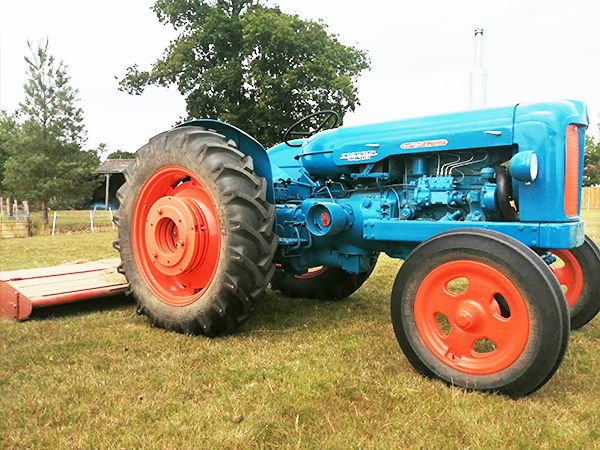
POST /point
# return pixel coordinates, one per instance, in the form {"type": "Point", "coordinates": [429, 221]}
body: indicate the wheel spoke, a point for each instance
{"type": "Point", "coordinates": [569, 275]}
{"type": "Point", "coordinates": [481, 289]}
{"type": "Point", "coordinates": [561, 274]}
{"type": "Point", "coordinates": [500, 330]}
{"type": "Point", "coordinates": [459, 344]}
{"type": "Point", "coordinates": [441, 301]}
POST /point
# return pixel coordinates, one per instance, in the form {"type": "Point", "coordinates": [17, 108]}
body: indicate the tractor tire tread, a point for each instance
{"type": "Point", "coordinates": [247, 263]}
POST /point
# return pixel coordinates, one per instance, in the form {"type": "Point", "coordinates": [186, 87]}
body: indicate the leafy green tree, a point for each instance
{"type": "Point", "coordinates": [49, 100]}
{"type": "Point", "coordinates": [46, 162]}
{"type": "Point", "coordinates": [120, 154]}
{"type": "Point", "coordinates": [8, 127]}
{"type": "Point", "coordinates": [251, 65]}
{"type": "Point", "coordinates": [591, 163]}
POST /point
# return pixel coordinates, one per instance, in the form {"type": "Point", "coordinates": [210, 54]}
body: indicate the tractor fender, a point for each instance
{"type": "Point", "coordinates": [245, 144]}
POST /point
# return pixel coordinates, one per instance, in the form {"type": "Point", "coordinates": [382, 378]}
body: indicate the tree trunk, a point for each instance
{"type": "Point", "coordinates": [44, 215]}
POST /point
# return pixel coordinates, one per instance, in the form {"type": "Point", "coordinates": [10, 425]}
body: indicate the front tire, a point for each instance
{"type": "Point", "coordinates": [580, 275]}
{"type": "Point", "coordinates": [504, 330]}
{"type": "Point", "coordinates": [195, 233]}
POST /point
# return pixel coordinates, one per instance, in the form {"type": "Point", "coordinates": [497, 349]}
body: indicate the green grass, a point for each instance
{"type": "Point", "coordinates": [44, 251]}
{"type": "Point", "coordinates": [300, 374]}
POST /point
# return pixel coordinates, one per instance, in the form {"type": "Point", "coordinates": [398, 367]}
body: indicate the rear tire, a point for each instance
{"type": "Point", "coordinates": [195, 233]}
{"type": "Point", "coordinates": [506, 332]}
{"type": "Point", "coordinates": [580, 275]}
{"type": "Point", "coordinates": [323, 283]}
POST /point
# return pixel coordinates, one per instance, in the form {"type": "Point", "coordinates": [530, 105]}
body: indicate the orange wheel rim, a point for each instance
{"type": "Point", "coordinates": [176, 236]}
{"type": "Point", "coordinates": [313, 272]}
{"type": "Point", "coordinates": [569, 275]}
{"type": "Point", "coordinates": [490, 312]}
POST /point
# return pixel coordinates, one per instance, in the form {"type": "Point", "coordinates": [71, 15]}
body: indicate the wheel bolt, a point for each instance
{"type": "Point", "coordinates": [181, 243]}
{"type": "Point", "coordinates": [464, 319]}
{"type": "Point", "coordinates": [159, 211]}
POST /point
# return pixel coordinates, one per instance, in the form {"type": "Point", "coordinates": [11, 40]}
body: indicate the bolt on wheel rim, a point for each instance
{"type": "Point", "coordinates": [486, 324]}
{"type": "Point", "coordinates": [569, 275]}
{"type": "Point", "coordinates": [176, 236]}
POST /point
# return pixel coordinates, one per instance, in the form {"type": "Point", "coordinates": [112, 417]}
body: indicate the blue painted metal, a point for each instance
{"type": "Point", "coordinates": [346, 194]}
{"type": "Point", "coordinates": [403, 182]}
{"type": "Point", "coordinates": [541, 128]}
{"type": "Point", "coordinates": [324, 153]}
{"type": "Point", "coordinates": [541, 235]}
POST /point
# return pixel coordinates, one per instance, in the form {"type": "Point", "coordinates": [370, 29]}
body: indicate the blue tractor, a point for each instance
{"type": "Point", "coordinates": [482, 206]}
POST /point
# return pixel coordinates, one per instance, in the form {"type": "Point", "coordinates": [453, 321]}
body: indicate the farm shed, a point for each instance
{"type": "Point", "coordinates": [114, 172]}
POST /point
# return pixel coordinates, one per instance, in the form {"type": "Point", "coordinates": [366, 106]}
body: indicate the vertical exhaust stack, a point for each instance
{"type": "Point", "coordinates": [478, 75]}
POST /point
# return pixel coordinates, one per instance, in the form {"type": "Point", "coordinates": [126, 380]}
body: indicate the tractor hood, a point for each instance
{"type": "Point", "coordinates": [327, 153]}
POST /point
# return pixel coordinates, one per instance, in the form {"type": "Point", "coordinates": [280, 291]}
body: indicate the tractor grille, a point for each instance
{"type": "Point", "coordinates": [572, 170]}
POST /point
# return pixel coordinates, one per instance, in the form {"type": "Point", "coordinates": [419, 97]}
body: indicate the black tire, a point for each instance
{"type": "Point", "coordinates": [586, 305]}
{"type": "Point", "coordinates": [324, 283]}
{"type": "Point", "coordinates": [519, 299]}
{"type": "Point", "coordinates": [233, 232]}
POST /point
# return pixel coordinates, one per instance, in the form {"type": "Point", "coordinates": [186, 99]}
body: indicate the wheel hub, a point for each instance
{"type": "Point", "coordinates": [469, 315]}
{"type": "Point", "coordinates": [175, 235]}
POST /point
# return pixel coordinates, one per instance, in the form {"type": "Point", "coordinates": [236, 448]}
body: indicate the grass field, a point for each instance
{"type": "Point", "coordinates": [299, 375]}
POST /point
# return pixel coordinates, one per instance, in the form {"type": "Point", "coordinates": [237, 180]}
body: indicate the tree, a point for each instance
{"type": "Point", "coordinates": [591, 162]}
{"type": "Point", "coordinates": [120, 154]}
{"type": "Point", "coordinates": [46, 162]}
{"type": "Point", "coordinates": [251, 65]}
{"type": "Point", "coordinates": [8, 128]}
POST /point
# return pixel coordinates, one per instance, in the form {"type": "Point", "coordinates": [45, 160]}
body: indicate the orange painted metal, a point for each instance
{"type": "Point", "coordinates": [176, 236]}
{"type": "Point", "coordinates": [473, 315]}
{"type": "Point", "coordinates": [571, 171]}
{"type": "Point", "coordinates": [23, 290]}
{"type": "Point", "coordinates": [569, 275]}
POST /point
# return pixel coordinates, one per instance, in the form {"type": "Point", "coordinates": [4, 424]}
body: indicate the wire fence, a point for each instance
{"type": "Point", "coordinates": [14, 218]}
{"type": "Point", "coordinates": [71, 221]}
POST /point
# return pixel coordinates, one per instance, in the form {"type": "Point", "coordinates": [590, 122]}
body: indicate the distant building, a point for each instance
{"type": "Point", "coordinates": [114, 172]}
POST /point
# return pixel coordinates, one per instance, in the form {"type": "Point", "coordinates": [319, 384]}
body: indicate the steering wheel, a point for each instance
{"type": "Point", "coordinates": [291, 134]}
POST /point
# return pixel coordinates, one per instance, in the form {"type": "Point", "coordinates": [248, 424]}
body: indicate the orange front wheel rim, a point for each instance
{"type": "Point", "coordinates": [569, 274]}
{"type": "Point", "coordinates": [482, 329]}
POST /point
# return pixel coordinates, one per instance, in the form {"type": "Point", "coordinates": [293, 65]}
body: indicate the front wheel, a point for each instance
{"type": "Point", "coordinates": [480, 310]}
{"type": "Point", "coordinates": [195, 232]}
{"type": "Point", "coordinates": [578, 272]}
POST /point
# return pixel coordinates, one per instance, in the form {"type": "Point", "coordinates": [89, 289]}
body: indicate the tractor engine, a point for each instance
{"type": "Point", "coordinates": [343, 195]}
{"type": "Point", "coordinates": [436, 186]}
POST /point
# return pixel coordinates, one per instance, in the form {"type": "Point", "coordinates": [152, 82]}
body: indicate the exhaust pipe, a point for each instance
{"type": "Point", "coordinates": [478, 75]}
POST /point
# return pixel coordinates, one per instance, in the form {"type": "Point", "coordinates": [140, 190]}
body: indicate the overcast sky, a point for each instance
{"type": "Point", "coordinates": [421, 56]}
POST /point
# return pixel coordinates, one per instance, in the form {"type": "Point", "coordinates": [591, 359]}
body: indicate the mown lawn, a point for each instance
{"type": "Point", "coordinates": [299, 375]}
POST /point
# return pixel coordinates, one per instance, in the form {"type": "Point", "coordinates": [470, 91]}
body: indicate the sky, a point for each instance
{"type": "Point", "coordinates": [421, 54]}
